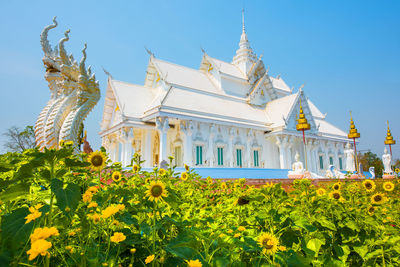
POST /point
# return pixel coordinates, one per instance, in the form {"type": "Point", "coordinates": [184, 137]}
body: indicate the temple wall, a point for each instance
{"type": "Point", "coordinates": [273, 151]}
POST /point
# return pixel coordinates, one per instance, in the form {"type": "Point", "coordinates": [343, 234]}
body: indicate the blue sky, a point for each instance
{"type": "Point", "coordinates": [347, 53]}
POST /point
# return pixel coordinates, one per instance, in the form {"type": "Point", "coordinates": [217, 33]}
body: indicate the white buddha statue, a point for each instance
{"type": "Point", "coordinates": [297, 166]}
{"type": "Point", "coordinates": [387, 160]}
{"type": "Point", "coordinates": [349, 153]}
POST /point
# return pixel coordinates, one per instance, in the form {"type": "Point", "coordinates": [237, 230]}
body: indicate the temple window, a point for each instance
{"type": "Point", "coordinates": [178, 155]}
{"type": "Point", "coordinates": [255, 158]}
{"type": "Point", "coordinates": [199, 155]}
{"type": "Point", "coordinates": [340, 163]}
{"type": "Point", "coordinates": [321, 162]}
{"type": "Point", "coordinates": [220, 156]}
{"type": "Point", "coordinates": [331, 160]}
{"type": "Point", "coordinates": [239, 157]}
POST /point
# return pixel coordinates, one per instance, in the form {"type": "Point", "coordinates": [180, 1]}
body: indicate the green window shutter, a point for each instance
{"type": "Point", "coordinates": [239, 157]}
{"type": "Point", "coordinates": [220, 156]}
{"type": "Point", "coordinates": [340, 164]}
{"type": "Point", "coordinates": [201, 155]}
{"type": "Point", "coordinates": [321, 163]}
{"type": "Point", "coordinates": [331, 160]}
{"type": "Point", "coordinates": [256, 162]}
{"type": "Point", "coordinates": [197, 155]}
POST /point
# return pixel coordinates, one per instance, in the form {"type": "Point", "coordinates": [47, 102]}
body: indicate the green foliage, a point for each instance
{"type": "Point", "coordinates": [218, 223]}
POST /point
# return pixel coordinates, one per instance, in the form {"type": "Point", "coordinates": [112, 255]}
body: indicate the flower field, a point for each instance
{"type": "Point", "coordinates": [62, 209]}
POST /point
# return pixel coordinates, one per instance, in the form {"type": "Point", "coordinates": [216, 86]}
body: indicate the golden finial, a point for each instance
{"type": "Point", "coordinates": [302, 124]}
{"type": "Point", "coordinates": [353, 130]}
{"type": "Point", "coordinates": [389, 138]}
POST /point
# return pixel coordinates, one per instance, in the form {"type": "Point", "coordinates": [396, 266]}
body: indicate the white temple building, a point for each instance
{"type": "Point", "coordinates": [220, 115]}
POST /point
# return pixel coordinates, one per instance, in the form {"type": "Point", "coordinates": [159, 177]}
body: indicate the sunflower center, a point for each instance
{"type": "Point", "coordinates": [97, 160]}
{"type": "Point", "coordinates": [368, 185]}
{"type": "Point", "coordinates": [267, 243]}
{"type": "Point", "coordinates": [116, 177]}
{"type": "Point", "coordinates": [378, 198]}
{"type": "Point", "coordinates": [336, 187]}
{"type": "Point", "coordinates": [388, 186]}
{"type": "Point", "coordinates": [371, 209]}
{"type": "Point", "coordinates": [336, 195]}
{"type": "Point", "coordinates": [156, 191]}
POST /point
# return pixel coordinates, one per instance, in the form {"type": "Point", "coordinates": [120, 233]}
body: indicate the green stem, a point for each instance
{"type": "Point", "coordinates": [383, 258]}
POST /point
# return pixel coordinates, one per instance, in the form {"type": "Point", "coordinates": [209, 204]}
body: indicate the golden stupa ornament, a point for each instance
{"type": "Point", "coordinates": [389, 138]}
{"type": "Point", "coordinates": [303, 125]}
{"type": "Point", "coordinates": [353, 134]}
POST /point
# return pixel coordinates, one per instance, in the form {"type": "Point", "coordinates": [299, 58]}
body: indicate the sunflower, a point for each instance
{"type": "Point", "coordinates": [194, 263]}
{"type": "Point", "coordinates": [97, 160]}
{"type": "Point", "coordinates": [269, 243]}
{"type": "Point", "coordinates": [61, 143]}
{"type": "Point", "coordinates": [243, 200]}
{"type": "Point", "coordinates": [116, 176]}
{"type": "Point", "coordinates": [156, 191]}
{"type": "Point", "coordinates": [162, 171]}
{"type": "Point", "coordinates": [321, 191]}
{"type": "Point", "coordinates": [369, 185]}
{"type": "Point", "coordinates": [184, 176]}
{"type": "Point", "coordinates": [388, 186]}
{"type": "Point", "coordinates": [397, 170]}
{"type": "Point", "coordinates": [337, 186]}
{"type": "Point", "coordinates": [209, 180]}
{"type": "Point", "coordinates": [223, 186]}
{"type": "Point", "coordinates": [186, 167]}
{"type": "Point", "coordinates": [335, 195]}
{"type": "Point", "coordinates": [378, 198]}
{"type": "Point", "coordinates": [135, 168]}
{"type": "Point", "coordinates": [371, 210]}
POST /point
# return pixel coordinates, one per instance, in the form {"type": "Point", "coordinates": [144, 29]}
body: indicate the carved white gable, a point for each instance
{"type": "Point", "coordinates": [291, 118]}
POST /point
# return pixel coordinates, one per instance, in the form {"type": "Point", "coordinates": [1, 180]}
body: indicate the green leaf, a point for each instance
{"type": "Point", "coordinates": [361, 250]}
{"type": "Point", "coordinates": [128, 219]}
{"type": "Point", "coordinates": [327, 224]}
{"type": "Point", "coordinates": [68, 197]}
{"type": "Point", "coordinates": [315, 244]}
{"type": "Point", "coordinates": [14, 191]}
{"type": "Point", "coordinates": [303, 223]}
{"type": "Point", "coordinates": [352, 225]}
{"type": "Point", "coordinates": [14, 230]}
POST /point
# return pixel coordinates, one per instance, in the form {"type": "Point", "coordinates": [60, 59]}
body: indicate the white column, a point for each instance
{"type": "Point", "coordinates": [210, 148]}
{"type": "Point", "coordinates": [129, 147]}
{"type": "Point", "coordinates": [280, 142]}
{"type": "Point", "coordinates": [162, 127]}
{"type": "Point", "coordinates": [289, 144]}
{"type": "Point", "coordinates": [337, 156]}
{"type": "Point", "coordinates": [147, 153]}
{"type": "Point", "coordinates": [248, 149]}
{"type": "Point", "coordinates": [230, 158]}
{"type": "Point", "coordinates": [187, 130]}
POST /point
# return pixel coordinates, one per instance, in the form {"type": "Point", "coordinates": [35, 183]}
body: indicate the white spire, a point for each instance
{"type": "Point", "coordinates": [245, 57]}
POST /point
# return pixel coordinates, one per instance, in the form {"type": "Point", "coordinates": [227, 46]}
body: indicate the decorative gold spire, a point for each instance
{"type": "Point", "coordinates": [302, 124]}
{"type": "Point", "coordinates": [389, 138]}
{"type": "Point", "coordinates": [353, 130]}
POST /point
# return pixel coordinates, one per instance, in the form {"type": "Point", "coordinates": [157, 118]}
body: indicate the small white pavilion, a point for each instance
{"type": "Point", "coordinates": [220, 115]}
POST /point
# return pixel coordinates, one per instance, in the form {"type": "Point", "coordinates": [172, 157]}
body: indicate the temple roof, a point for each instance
{"type": "Point", "coordinates": [241, 94]}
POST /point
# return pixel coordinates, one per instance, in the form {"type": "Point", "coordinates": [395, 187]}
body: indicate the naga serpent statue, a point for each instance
{"type": "Point", "coordinates": [74, 92]}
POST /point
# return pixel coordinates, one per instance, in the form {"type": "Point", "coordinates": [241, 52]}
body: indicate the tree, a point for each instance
{"type": "Point", "coordinates": [19, 140]}
{"type": "Point", "coordinates": [370, 159]}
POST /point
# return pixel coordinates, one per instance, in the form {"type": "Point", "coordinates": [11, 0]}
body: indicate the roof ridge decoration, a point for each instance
{"type": "Point", "coordinates": [74, 91]}
{"type": "Point", "coordinates": [245, 56]}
